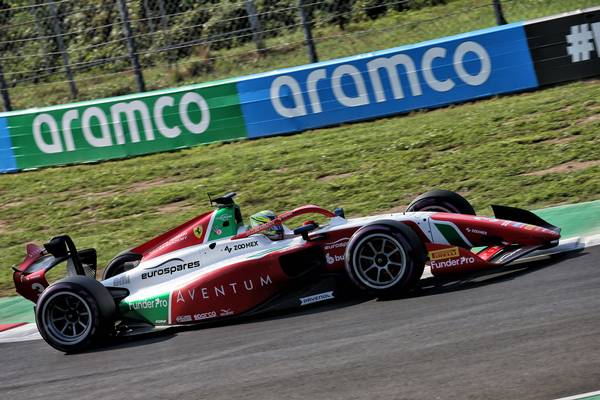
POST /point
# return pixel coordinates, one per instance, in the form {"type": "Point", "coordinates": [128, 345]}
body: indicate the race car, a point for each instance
{"type": "Point", "coordinates": [215, 268]}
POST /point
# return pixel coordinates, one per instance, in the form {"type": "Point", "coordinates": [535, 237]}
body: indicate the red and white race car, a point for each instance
{"type": "Point", "coordinates": [212, 267]}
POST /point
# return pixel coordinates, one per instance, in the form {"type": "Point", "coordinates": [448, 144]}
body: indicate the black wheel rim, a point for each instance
{"type": "Point", "coordinates": [379, 261]}
{"type": "Point", "coordinates": [67, 318]}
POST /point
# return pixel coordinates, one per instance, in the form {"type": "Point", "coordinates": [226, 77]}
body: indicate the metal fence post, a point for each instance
{"type": "Point", "coordinates": [164, 24]}
{"type": "Point", "coordinates": [133, 56]}
{"type": "Point", "coordinates": [310, 44]}
{"type": "Point", "coordinates": [61, 47]}
{"type": "Point", "coordinates": [255, 25]}
{"type": "Point", "coordinates": [500, 20]}
{"type": "Point", "coordinates": [4, 91]}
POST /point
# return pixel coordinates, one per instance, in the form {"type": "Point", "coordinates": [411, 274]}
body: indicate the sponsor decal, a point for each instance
{"type": "Point", "coordinates": [226, 312]}
{"type": "Point", "coordinates": [453, 263]}
{"type": "Point", "coordinates": [183, 318]}
{"type": "Point", "coordinates": [444, 254]}
{"type": "Point", "coordinates": [333, 258]}
{"type": "Point", "coordinates": [171, 241]}
{"type": "Point", "coordinates": [148, 304]}
{"type": "Point", "coordinates": [223, 217]}
{"type": "Point", "coordinates": [341, 243]}
{"type": "Point", "coordinates": [160, 321]}
{"type": "Point", "coordinates": [229, 289]}
{"type": "Point", "coordinates": [387, 82]}
{"type": "Point", "coordinates": [488, 219]}
{"type": "Point", "coordinates": [565, 47]}
{"type": "Point", "coordinates": [240, 246]}
{"type": "Point", "coordinates": [121, 280]}
{"type": "Point", "coordinates": [198, 231]}
{"type": "Point", "coordinates": [316, 298]}
{"type": "Point", "coordinates": [206, 315]}
{"type": "Point", "coordinates": [176, 265]}
{"type": "Point", "coordinates": [217, 231]}
{"type": "Point", "coordinates": [477, 231]}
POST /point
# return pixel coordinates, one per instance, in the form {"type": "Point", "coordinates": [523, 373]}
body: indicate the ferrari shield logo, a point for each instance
{"type": "Point", "coordinates": [198, 231]}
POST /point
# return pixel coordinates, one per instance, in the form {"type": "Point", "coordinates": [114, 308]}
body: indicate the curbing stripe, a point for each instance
{"type": "Point", "coordinates": [20, 334]}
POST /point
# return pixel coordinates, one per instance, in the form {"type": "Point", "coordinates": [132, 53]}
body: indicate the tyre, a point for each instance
{"type": "Point", "coordinates": [121, 263]}
{"type": "Point", "coordinates": [386, 258]}
{"type": "Point", "coordinates": [75, 313]}
{"type": "Point", "coordinates": [441, 201]}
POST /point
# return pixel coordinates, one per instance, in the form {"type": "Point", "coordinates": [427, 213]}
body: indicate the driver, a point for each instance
{"type": "Point", "coordinates": [274, 233]}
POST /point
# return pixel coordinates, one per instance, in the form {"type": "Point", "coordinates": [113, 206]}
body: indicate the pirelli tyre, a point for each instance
{"type": "Point", "coordinates": [75, 313]}
{"type": "Point", "coordinates": [385, 259]}
{"type": "Point", "coordinates": [439, 200]}
{"type": "Point", "coordinates": [121, 263]}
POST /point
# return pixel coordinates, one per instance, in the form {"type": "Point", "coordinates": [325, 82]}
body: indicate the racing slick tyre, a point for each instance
{"type": "Point", "coordinates": [75, 313]}
{"type": "Point", "coordinates": [121, 263]}
{"type": "Point", "coordinates": [441, 201]}
{"type": "Point", "coordinates": [385, 259]}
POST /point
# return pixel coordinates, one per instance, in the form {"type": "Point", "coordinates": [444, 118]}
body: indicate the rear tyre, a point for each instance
{"type": "Point", "coordinates": [439, 200]}
{"type": "Point", "coordinates": [385, 259]}
{"type": "Point", "coordinates": [121, 263]}
{"type": "Point", "coordinates": [75, 313]}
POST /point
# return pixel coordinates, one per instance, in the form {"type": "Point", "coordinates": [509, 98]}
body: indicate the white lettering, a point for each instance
{"type": "Point", "coordinates": [180, 298]}
{"type": "Point", "coordinates": [313, 92]}
{"type": "Point", "coordinates": [361, 98]}
{"type": "Point", "coordinates": [130, 109]}
{"type": "Point", "coordinates": [105, 139]}
{"type": "Point", "coordinates": [426, 66]}
{"type": "Point", "coordinates": [67, 120]}
{"type": "Point", "coordinates": [219, 291]}
{"type": "Point", "coordinates": [192, 293]}
{"type": "Point", "coordinates": [299, 109]}
{"type": "Point", "coordinates": [391, 66]}
{"type": "Point", "coordinates": [484, 58]}
{"type": "Point", "coordinates": [233, 287]}
{"type": "Point", "coordinates": [159, 106]}
{"type": "Point", "coordinates": [251, 285]}
{"type": "Point", "coordinates": [265, 281]}
{"type": "Point", "coordinates": [55, 146]}
{"type": "Point", "coordinates": [194, 98]}
{"type": "Point", "coordinates": [204, 293]}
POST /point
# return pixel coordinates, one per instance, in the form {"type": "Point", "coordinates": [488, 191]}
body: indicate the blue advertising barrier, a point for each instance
{"type": "Point", "coordinates": [7, 158]}
{"type": "Point", "coordinates": [425, 75]}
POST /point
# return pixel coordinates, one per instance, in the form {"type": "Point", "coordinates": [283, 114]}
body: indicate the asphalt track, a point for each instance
{"type": "Point", "coordinates": [529, 333]}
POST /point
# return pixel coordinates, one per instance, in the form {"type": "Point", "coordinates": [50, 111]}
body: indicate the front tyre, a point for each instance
{"type": "Point", "coordinates": [439, 200]}
{"type": "Point", "coordinates": [385, 259]}
{"type": "Point", "coordinates": [75, 313]}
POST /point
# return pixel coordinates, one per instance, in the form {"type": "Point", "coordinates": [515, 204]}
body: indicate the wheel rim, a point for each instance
{"type": "Point", "coordinates": [379, 261]}
{"type": "Point", "coordinates": [67, 318]}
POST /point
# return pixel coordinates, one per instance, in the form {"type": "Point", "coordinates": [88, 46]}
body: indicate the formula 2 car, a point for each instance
{"type": "Point", "coordinates": [214, 268]}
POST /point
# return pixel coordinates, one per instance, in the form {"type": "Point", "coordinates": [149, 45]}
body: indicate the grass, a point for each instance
{"type": "Point", "coordinates": [485, 150]}
{"type": "Point", "coordinates": [287, 49]}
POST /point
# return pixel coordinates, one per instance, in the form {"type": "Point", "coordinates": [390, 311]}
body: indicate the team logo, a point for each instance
{"type": "Point", "coordinates": [198, 231]}
{"type": "Point", "coordinates": [444, 254]}
{"type": "Point", "coordinates": [316, 298]}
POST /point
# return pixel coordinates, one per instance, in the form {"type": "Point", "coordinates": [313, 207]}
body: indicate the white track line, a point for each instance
{"type": "Point", "coordinates": [30, 332]}
{"type": "Point", "coordinates": [581, 396]}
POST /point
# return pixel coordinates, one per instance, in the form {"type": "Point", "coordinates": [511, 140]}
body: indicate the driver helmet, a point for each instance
{"type": "Point", "coordinates": [262, 217]}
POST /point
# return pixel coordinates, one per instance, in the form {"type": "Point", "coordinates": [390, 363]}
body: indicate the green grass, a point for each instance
{"type": "Point", "coordinates": [287, 49]}
{"type": "Point", "coordinates": [481, 149]}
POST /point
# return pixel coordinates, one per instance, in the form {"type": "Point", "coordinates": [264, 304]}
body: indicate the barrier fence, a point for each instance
{"type": "Point", "coordinates": [507, 58]}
